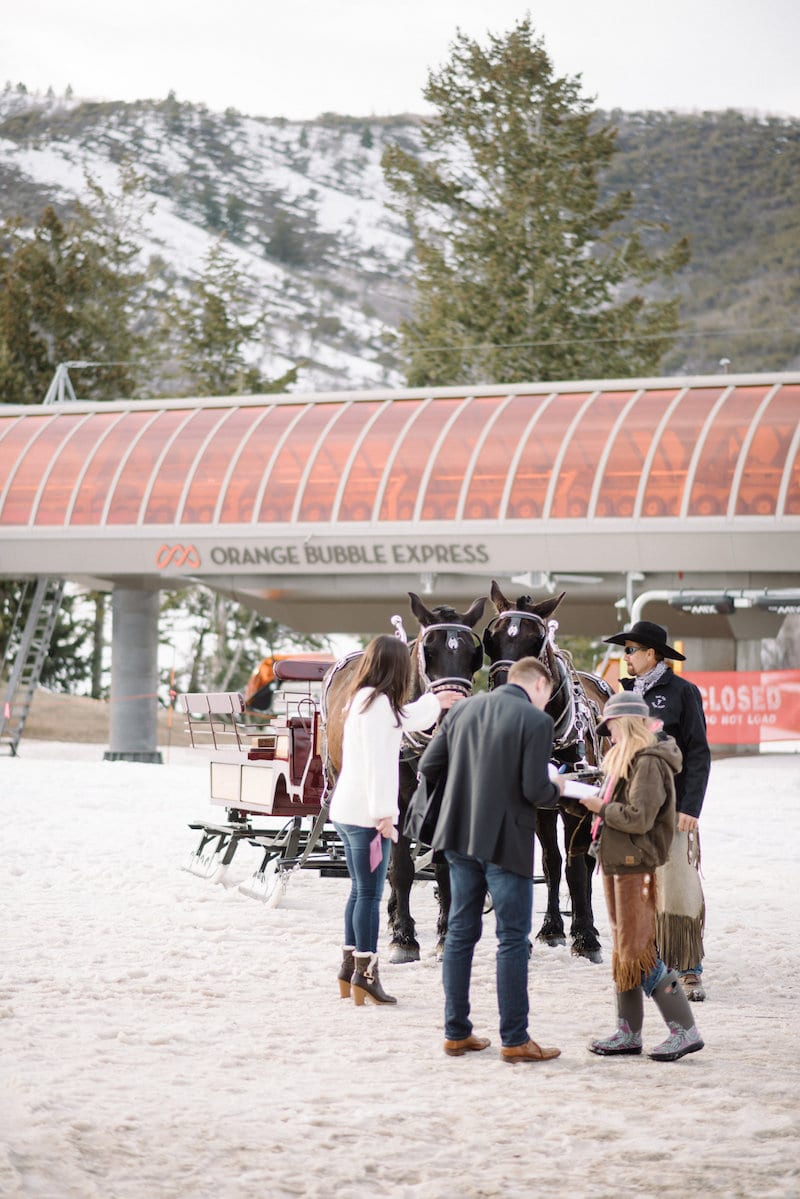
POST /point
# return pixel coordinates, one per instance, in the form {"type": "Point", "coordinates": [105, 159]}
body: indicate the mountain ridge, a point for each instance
{"type": "Point", "coordinates": [304, 209]}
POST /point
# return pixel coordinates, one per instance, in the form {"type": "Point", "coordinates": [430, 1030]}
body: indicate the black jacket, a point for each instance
{"type": "Point", "coordinates": [678, 704]}
{"type": "Point", "coordinates": [494, 749]}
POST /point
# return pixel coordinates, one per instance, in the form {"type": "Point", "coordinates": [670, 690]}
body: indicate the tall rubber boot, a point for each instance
{"type": "Point", "coordinates": [628, 1037]}
{"type": "Point", "coordinates": [366, 983]}
{"type": "Point", "coordinates": [674, 1007]}
{"type": "Point", "coordinates": [346, 970]}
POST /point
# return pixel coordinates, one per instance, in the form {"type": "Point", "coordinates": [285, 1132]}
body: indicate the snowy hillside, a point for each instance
{"type": "Point", "coordinates": [302, 206]}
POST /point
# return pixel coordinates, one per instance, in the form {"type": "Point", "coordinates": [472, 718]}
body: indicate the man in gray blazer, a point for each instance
{"type": "Point", "coordinates": [493, 750]}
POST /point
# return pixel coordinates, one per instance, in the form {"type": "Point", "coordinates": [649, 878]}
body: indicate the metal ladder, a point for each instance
{"type": "Point", "coordinates": [34, 644]}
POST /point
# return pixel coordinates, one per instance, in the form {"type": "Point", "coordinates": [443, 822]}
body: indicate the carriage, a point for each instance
{"type": "Point", "coordinates": [266, 772]}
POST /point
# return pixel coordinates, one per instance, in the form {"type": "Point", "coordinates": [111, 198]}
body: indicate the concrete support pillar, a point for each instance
{"type": "Point", "coordinates": [748, 654]}
{"type": "Point", "coordinates": [133, 735]}
{"type": "Point", "coordinates": [708, 653]}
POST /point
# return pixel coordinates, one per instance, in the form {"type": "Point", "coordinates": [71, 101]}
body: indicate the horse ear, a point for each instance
{"type": "Point", "coordinates": [475, 612]}
{"type": "Point", "coordinates": [498, 599]}
{"type": "Point", "coordinates": [423, 614]}
{"type": "Point", "coordinates": [547, 607]}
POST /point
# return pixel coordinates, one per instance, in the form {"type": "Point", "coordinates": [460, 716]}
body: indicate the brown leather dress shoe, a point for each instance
{"type": "Point", "coordinates": [528, 1052]}
{"type": "Point", "coordinates": [469, 1044]}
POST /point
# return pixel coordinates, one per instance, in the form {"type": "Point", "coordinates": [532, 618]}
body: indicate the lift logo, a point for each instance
{"type": "Point", "coordinates": [177, 555]}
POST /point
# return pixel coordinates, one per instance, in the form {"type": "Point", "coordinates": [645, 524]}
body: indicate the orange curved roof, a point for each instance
{"type": "Point", "coordinates": [720, 446]}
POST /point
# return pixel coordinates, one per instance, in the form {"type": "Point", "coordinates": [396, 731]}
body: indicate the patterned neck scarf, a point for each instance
{"type": "Point", "coordinates": [645, 681]}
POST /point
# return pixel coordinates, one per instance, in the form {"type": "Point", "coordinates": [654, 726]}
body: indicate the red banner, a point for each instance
{"type": "Point", "coordinates": [747, 707]}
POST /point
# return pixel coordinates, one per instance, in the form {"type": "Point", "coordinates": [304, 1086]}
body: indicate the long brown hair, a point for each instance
{"type": "Point", "coordinates": [386, 667]}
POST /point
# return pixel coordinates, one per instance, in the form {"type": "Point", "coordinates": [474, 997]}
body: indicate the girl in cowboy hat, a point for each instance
{"type": "Point", "coordinates": [633, 830]}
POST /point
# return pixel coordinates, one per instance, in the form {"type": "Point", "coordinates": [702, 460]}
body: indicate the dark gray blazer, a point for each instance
{"type": "Point", "coordinates": [494, 749]}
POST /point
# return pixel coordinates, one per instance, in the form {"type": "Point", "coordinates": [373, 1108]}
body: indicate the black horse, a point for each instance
{"type": "Point", "coordinates": [444, 657]}
{"type": "Point", "coordinates": [522, 630]}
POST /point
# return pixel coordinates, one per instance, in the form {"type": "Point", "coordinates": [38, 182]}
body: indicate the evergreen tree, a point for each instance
{"type": "Point", "coordinates": [226, 640]}
{"type": "Point", "coordinates": [67, 662]}
{"type": "Point", "coordinates": [214, 324]}
{"type": "Point", "coordinates": [100, 601]}
{"type": "Point", "coordinates": [72, 290]}
{"type": "Point", "coordinates": [286, 242]}
{"type": "Point", "coordinates": [523, 271]}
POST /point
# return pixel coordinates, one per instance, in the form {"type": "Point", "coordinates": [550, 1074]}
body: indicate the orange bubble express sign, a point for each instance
{"type": "Point", "coordinates": [745, 708]}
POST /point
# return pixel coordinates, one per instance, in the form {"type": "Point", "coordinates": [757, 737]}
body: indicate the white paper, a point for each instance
{"type": "Point", "coordinates": [577, 790]}
{"type": "Point", "coordinates": [572, 788]}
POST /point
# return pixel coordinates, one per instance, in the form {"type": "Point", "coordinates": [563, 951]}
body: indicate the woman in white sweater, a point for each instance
{"type": "Point", "coordinates": [365, 800]}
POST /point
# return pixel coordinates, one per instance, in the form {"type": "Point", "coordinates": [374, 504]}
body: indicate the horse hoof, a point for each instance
{"type": "Point", "coordinates": [591, 955]}
{"type": "Point", "coordinates": [400, 954]}
{"type": "Point", "coordinates": [552, 939]}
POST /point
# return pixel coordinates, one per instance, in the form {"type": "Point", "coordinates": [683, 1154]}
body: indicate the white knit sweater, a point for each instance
{"type": "Point", "coordinates": [368, 784]}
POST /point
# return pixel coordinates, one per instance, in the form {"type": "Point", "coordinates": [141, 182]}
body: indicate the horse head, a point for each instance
{"type": "Point", "coordinates": [518, 631]}
{"type": "Point", "coordinates": [447, 651]}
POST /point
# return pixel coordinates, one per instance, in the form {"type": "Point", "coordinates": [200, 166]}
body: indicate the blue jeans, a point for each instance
{"type": "Point", "coordinates": [512, 898]}
{"type": "Point", "coordinates": [650, 981]}
{"type": "Point", "coordinates": [362, 913]}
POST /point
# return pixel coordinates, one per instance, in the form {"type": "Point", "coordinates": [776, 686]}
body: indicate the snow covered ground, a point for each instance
{"type": "Point", "coordinates": [162, 1036]}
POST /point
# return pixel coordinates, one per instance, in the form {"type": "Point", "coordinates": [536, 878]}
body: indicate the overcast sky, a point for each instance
{"type": "Point", "coordinates": [298, 58]}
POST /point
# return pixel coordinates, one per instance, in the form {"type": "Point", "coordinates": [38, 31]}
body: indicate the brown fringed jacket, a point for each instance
{"type": "Point", "coordinates": [639, 819]}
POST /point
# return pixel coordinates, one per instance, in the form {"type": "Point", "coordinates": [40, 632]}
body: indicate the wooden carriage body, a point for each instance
{"type": "Point", "coordinates": [263, 764]}
{"type": "Point", "coordinates": [266, 771]}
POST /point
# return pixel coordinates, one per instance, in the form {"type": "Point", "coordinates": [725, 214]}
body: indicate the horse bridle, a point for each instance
{"type": "Point", "coordinates": [572, 720]}
{"type": "Point", "coordinates": [449, 682]}
{"type": "Point", "coordinates": [516, 617]}
{"type": "Point", "coordinates": [417, 742]}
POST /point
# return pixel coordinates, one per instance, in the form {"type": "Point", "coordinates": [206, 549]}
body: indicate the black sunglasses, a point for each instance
{"type": "Point", "coordinates": [634, 649]}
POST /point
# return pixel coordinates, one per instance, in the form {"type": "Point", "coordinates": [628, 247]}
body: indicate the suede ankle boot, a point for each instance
{"type": "Point", "coordinates": [346, 970]}
{"type": "Point", "coordinates": [366, 983]}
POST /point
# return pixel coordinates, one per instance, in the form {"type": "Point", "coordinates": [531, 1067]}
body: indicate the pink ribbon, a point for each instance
{"type": "Point", "coordinates": [607, 793]}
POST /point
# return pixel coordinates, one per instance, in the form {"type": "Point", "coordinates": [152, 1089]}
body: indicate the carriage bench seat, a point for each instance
{"type": "Point", "coordinates": [259, 764]}
{"type": "Point", "coordinates": [218, 720]}
{"type": "Point", "coordinates": [301, 670]}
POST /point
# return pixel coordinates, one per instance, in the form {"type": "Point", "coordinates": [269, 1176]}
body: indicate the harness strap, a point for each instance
{"type": "Point", "coordinates": [575, 723]}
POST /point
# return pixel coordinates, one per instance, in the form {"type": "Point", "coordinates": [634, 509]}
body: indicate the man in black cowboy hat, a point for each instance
{"type": "Point", "coordinates": [678, 705]}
